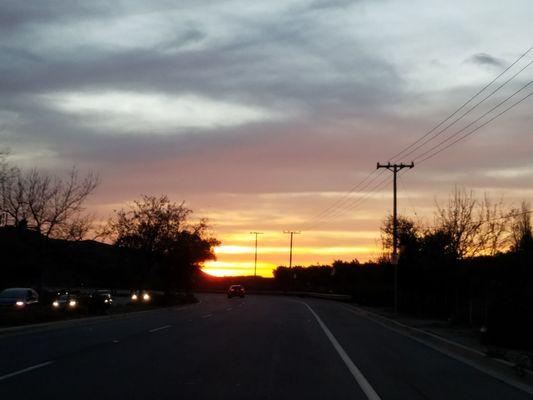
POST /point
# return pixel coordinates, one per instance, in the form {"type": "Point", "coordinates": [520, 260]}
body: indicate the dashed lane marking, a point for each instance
{"type": "Point", "coordinates": [160, 328]}
{"type": "Point", "coordinates": [23, 371]}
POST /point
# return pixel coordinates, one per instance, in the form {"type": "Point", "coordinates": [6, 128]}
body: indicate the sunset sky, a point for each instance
{"type": "Point", "coordinates": [260, 115]}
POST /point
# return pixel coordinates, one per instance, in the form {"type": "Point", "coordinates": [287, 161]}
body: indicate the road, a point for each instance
{"type": "Point", "coordinates": [260, 347]}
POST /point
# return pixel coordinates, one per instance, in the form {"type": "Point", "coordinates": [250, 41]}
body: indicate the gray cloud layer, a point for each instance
{"type": "Point", "coordinates": [335, 87]}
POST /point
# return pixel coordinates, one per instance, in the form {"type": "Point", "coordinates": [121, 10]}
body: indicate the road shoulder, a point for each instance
{"type": "Point", "coordinates": [499, 369]}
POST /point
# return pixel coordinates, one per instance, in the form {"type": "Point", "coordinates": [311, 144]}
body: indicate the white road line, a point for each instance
{"type": "Point", "coordinates": [229, 309]}
{"type": "Point", "coordinates": [412, 328]}
{"type": "Point", "coordinates": [22, 371]}
{"type": "Point", "coordinates": [207, 316]}
{"type": "Point", "coordinates": [160, 328]}
{"type": "Point", "coordinates": [472, 363]}
{"type": "Point", "coordinates": [356, 373]}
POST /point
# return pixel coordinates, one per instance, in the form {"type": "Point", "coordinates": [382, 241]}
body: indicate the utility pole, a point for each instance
{"type": "Point", "coordinates": [395, 168]}
{"type": "Point", "coordinates": [255, 262]}
{"type": "Point", "coordinates": [290, 254]}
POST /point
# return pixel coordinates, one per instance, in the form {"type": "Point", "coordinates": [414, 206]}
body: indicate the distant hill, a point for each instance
{"type": "Point", "coordinates": [30, 259]}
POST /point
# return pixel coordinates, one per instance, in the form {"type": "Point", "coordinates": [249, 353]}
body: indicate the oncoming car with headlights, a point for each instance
{"type": "Point", "coordinates": [66, 301]}
{"type": "Point", "coordinates": [140, 296]}
{"type": "Point", "coordinates": [18, 298]}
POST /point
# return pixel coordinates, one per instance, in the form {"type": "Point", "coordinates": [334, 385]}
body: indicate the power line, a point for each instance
{"type": "Point", "coordinates": [473, 130]}
{"type": "Point", "coordinates": [512, 215]}
{"type": "Point", "coordinates": [467, 112]}
{"type": "Point", "coordinates": [342, 199]}
{"type": "Point", "coordinates": [339, 210]}
{"type": "Point", "coordinates": [333, 209]}
{"type": "Point", "coordinates": [462, 106]}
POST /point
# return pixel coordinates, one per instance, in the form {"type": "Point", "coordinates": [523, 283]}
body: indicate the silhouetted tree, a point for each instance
{"type": "Point", "coordinates": [521, 231]}
{"type": "Point", "coordinates": [474, 227]}
{"type": "Point", "coordinates": [51, 205]}
{"type": "Point", "coordinates": [409, 233]}
{"type": "Point", "coordinates": [159, 230]}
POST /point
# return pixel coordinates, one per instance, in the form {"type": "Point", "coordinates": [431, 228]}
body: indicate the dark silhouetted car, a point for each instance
{"type": "Point", "coordinates": [18, 297]}
{"type": "Point", "coordinates": [235, 290]}
{"type": "Point", "coordinates": [100, 300]}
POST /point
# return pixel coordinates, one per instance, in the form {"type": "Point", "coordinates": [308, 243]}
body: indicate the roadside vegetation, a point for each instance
{"type": "Point", "coordinates": [153, 244]}
{"type": "Point", "coordinates": [471, 265]}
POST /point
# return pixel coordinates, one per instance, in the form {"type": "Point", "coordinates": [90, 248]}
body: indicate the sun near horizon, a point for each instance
{"type": "Point", "coordinates": [235, 260]}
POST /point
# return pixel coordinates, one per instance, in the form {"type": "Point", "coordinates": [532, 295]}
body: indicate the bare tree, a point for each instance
{"type": "Point", "coordinates": [521, 230]}
{"type": "Point", "coordinates": [458, 220]}
{"type": "Point", "coordinates": [491, 236]}
{"type": "Point", "coordinates": [76, 228]}
{"type": "Point", "coordinates": [48, 203]}
{"type": "Point", "coordinates": [474, 227]}
{"type": "Point", "coordinates": [12, 192]}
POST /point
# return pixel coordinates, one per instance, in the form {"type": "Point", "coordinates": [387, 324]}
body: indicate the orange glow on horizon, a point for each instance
{"type": "Point", "coordinates": [237, 268]}
{"type": "Point", "coordinates": [238, 260]}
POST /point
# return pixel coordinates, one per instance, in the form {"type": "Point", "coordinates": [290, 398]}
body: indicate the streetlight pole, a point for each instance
{"type": "Point", "coordinates": [255, 261]}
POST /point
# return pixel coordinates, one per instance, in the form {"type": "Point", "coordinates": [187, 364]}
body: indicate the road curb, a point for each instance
{"type": "Point", "coordinates": [497, 368]}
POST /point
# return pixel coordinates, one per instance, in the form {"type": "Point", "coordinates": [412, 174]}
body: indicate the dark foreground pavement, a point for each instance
{"type": "Point", "coordinates": [260, 347]}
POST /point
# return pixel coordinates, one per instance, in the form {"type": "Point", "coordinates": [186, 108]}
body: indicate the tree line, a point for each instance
{"type": "Point", "coordinates": [471, 265]}
{"type": "Point", "coordinates": [42, 213]}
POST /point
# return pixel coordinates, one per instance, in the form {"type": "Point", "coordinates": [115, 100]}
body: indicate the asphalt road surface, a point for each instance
{"type": "Point", "coordinates": [260, 347]}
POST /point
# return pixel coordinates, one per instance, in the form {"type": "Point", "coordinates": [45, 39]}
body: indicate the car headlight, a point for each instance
{"type": "Point", "coordinates": [106, 301]}
{"type": "Point", "coordinates": [72, 303]}
{"type": "Point", "coordinates": [55, 303]}
{"type": "Point", "coordinates": [134, 297]}
{"type": "Point", "coordinates": [20, 304]}
{"type": "Point", "coordinates": [146, 297]}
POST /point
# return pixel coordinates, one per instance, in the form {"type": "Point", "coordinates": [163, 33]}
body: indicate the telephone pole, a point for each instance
{"type": "Point", "coordinates": [290, 253]}
{"type": "Point", "coordinates": [255, 262]}
{"type": "Point", "coordinates": [395, 168]}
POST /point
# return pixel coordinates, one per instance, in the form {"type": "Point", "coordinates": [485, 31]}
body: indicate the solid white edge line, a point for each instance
{"type": "Point", "coordinates": [160, 328]}
{"type": "Point", "coordinates": [356, 373]}
{"type": "Point", "coordinates": [412, 328]}
{"type": "Point", "coordinates": [496, 375]}
{"type": "Point", "coordinates": [207, 316]}
{"type": "Point", "coordinates": [22, 371]}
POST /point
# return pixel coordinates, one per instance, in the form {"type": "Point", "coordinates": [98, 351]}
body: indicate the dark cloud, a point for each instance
{"type": "Point", "coordinates": [486, 59]}
{"type": "Point", "coordinates": [14, 13]}
{"type": "Point", "coordinates": [344, 102]}
{"type": "Point", "coordinates": [327, 4]}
